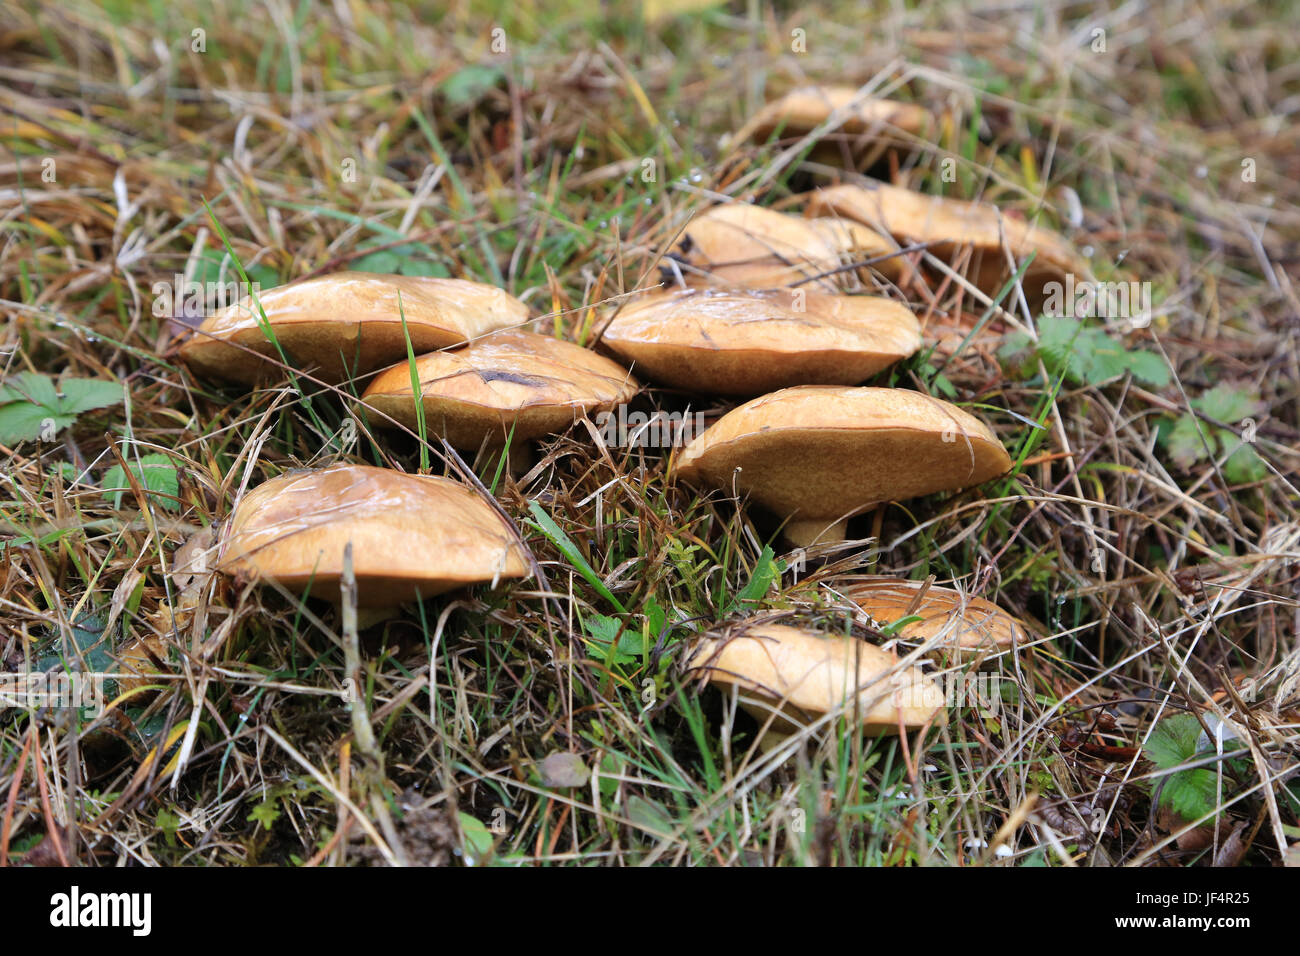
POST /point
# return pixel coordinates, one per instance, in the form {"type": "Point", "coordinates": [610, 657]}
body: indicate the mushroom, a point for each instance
{"type": "Point", "coordinates": [820, 454]}
{"type": "Point", "coordinates": [795, 675]}
{"type": "Point", "coordinates": [802, 110]}
{"type": "Point", "coordinates": [347, 324]}
{"type": "Point", "coordinates": [532, 384]}
{"type": "Point", "coordinates": [951, 225]}
{"type": "Point", "coordinates": [412, 536]}
{"type": "Point", "coordinates": [960, 622]}
{"type": "Point", "coordinates": [748, 341]}
{"type": "Point", "coordinates": [738, 244]}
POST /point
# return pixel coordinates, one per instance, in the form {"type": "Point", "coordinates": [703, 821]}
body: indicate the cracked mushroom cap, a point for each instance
{"type": "Point", "coordinates": [802, 110]}
{"type": "Point", "coordinates": [952, 225]}
{"type": "Point", "coordinates": [738, 244]}
{"type": "Point", "coordinates": [748, 341]}
{"type": "Point", "coordinates": [804, 674]}
{"type": "Point", "coordinates": [347, 321]}
{"type": "Point", "coordinates": [960, 621]}
{"type": "Point", "coordinates": [412, 536]}
{"type": "Point", "coordinates": [537, 384]}
{"type": "Point", "coordinates": [819, 454]}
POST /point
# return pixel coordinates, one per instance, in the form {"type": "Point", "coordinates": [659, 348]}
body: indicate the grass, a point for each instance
{"type": "Point", "coordinates": [297, 143]}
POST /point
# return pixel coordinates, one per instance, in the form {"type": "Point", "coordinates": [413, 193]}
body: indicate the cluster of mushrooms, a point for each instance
{"type": "Point", "coordinates": [756, 304]}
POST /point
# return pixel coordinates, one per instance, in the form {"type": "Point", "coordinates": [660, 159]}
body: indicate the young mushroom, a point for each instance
{"type": "Point", "coordinates": [959, 623]}
{"type": "Point", "coordinates": [820, 454]}
{"type": "Point", "coordinates": [952, 225]}
{"type": "Point", "coordinates": [521, 382]}
{"type": "Point", "coordinates": [412, 536]}
{"type": "Point", "coordinates": [793, 676]}
{"type": "Point", "coordinates": [738, 244]}
{"type": "Point", "coordinates": [346, 324]}
{"type": "Point", "coordinates": [802, 110]}
{"type": "Point", "coordinates": [749, 341]}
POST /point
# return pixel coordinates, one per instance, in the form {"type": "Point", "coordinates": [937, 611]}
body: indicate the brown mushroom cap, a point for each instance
{"type": "Point", "coordinates": [738, 244]}
{"type": "Point", "coordinates": [747, 341]}
{"type": "Point", "coordinates": [821, 453]}
{"type": "Point", "coordinates": [962, 622]}
{"type": "Point", "coordinates": [347, 321]}
{"type": "Point", "coordinates": [952, 224]}
{"type": "Point", "coordinates": [806, 108]}
{"type": "Point", "coordinates": [411, 536]}
{"type": "Point", "coordinates": [803, 675]}
{"type": "Point", "coordinates": [538, 384]}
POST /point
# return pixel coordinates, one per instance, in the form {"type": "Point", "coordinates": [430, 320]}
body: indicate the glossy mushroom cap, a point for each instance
{"type": "Point", "coordinates": [740, 245]}
{"type": "Point", "coordinates": [747, 341]}
{"type": "Point", "coordinates": [952, 225]}
{"type": "Point", "coordinates": [536, 384]}
{"type": "Point", "coordinates": [801, 675]}
{"type": "Point", "coordinates": [347, 324]}
{"type": "Point", "coordinates": [802, 110]}
{"type": "Point", "coordinates": [822, 453]}
{"type": "Point", "coordinates": [962, 623]}
{"type": "Point", "coordinates": [412, 536]}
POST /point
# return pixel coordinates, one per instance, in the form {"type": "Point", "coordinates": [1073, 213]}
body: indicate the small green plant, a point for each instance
{"type": "Point", "coordinates": [477, 838]}
{"type": "Point", "coordinates": [409, 259]}
{"type": "Point", "coordinates": [266, 813]}
{"type": "Point", "coordinates": [32, 407]}
{"type": "Point", "coordinates": [1191, 793]}
{"type": "Point", "coordinates": [1084, 354]}
{"type": "Point", "coordinates": [612, 641]}
{"type": "Point", "coordinates": [766, 571]}
{"type": "Point", "coordinates": [156, 474]}
{"type": "Point", "coordinates": [1188, 440]}
{"type": "Point", "coordinates": [471, 83]}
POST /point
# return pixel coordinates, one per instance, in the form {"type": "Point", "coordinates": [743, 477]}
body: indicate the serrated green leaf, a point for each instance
{"type": "Point", "coordinates": [1185, 441]}
{"type": "Point", "coordinates": [1016, 356]}
{"type": "Point", "coordinates": [265, 813]}
{"type": "Point", "coordinates": [1149, 368]}
{"type": "Point", "coordinates": [1226, 403]}
{"type": "Point", "coordinates": [1086, 355]}
{"type": "Point", "coordinates": [22, 421]}
{"type": "Point", "coordinates": [384, 261]}
{"type": "Point", "coordinates": [602, 631]}
{"type": "Point", "coordinates": [156, 474]}
{"type": "Point", "coordinates": [1056, 338]}
{"type": "Point", "coordinates": [30, 387]}
{"type": "Point", "coordinates": [83, 394]}
{"type": "Point", "coordinates": [1101, 357]}
{"type": "Point", "coordinates": [1173, 741]}
{"type": "Point", "coordinates": [1190, 793]}
{"type": "Point", "coordinates": [407, 260]}
{"type": "Point", "coordinates": [426, 268]}
{"type": "Point", "coordinates": [1244, 466]}
{"type": "Point", "coordinates": [29, 401]}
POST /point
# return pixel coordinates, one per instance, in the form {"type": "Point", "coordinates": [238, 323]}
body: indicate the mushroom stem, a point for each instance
{"type": "Point", "coordinates": [368, 617]}
{"type": "Point", "coordinates": [805, 532]}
